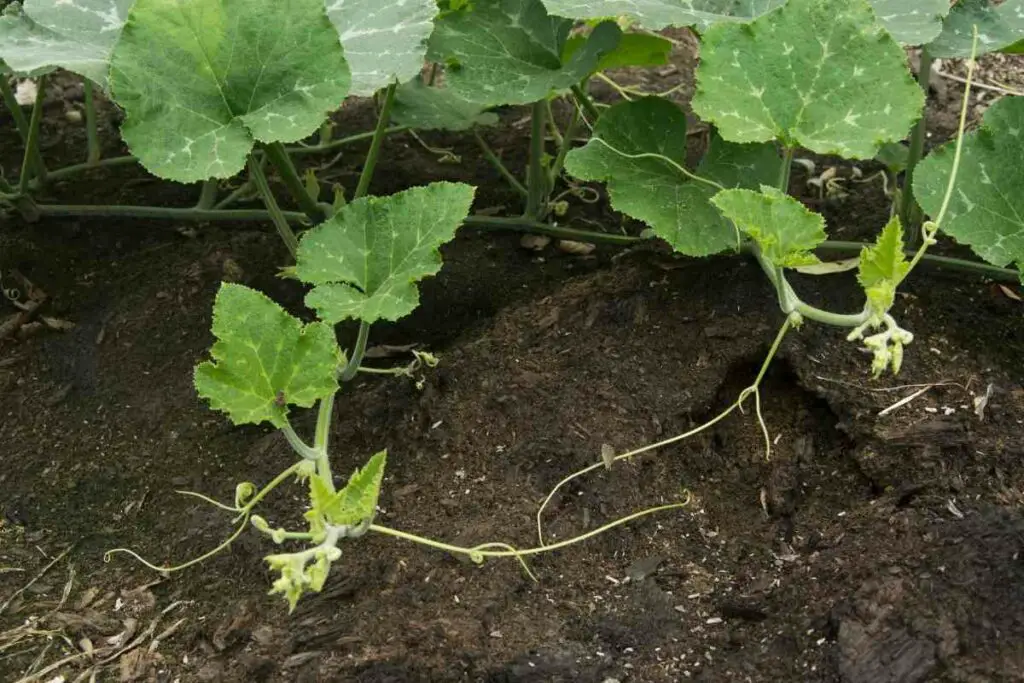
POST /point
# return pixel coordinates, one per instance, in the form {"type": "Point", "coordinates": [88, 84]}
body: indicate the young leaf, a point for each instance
{"type": "Point", "coordinates": [883, 266]}
{"type": "Point", "coordinates": [911, 22]}
{"type": "Point", "coordinates": [653, 190]}
{"type": "Point", "coordinates": [987, 207]}
{"type": "Point", "coordinates": [356, 502]}
{"type": "Point", "coordinates": [265, 359]}
{"type": "Point", "coordinates": [426, 107]}
{"type": "Point", "coordinates": [201, 80]}
{"type": "Point", "coordinates": [820, 74]}
{"type": "Point", "coordinates": [384, 41]}
{"type": "Point", "coordinates": [365, 261]}
{"type": "Point", "coordinates": [999, 27]}
{"type": "Point", "coordinates": [784, 229]}
{"type": "Point", "coordinates": [659, 14]}
{"type": "Point", "coordinates": [509, 51]}
{"type": "Point", "coordinates": [894, 155]}
{"type": "Point", "coordinates": [634, 49]}
{"type": "Point", "coordinates": [78, 36]}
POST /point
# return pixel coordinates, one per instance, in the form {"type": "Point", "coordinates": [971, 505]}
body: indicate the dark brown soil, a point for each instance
{"type": "Point", "coordinates": [866, 549]}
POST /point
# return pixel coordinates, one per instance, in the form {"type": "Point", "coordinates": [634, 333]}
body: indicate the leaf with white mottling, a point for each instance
{"type": "Point", "coordinates": [999, 27]}
{"type": "Point", "coordinates": [785, 230]}
{"type": "Point", "coordinates": [365, 261]}
{"type": "Point", "coordinates": [653, 190]}
{"type": "Point", "coordinates": [77, 35]}
{"type": "Point", "coordinates": [384, 40]}
{"type": "Point", "coordinates": [911, 22]}
{"type": "Point", "coordinates": [265, 359]}
{"type": "Point", "coordinates": [201, 80]}
{"type": "Point", "coordinates": [986, 210]}
{"type": "Point", "coordinates": [820, 74]}
{"type": "Point", "coordinates": [659, 14]}
{"type": "Point", "coordinates": [434, 108]}
{"type": "Point", "coordinates": [510, 51]}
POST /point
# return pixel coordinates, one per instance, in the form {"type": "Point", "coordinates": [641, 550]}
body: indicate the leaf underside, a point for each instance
{"type": "Point", "coordinates": [202, 80]}
{"type": "Point", "coordinates": [999, 27]}
{"type": "Point", "coordinates": [385, 41]}
{"type": "Point", "coordinates": [365, 261]}
{"type": "Point", "coordinates": [265, 359]}
{"type": "Point", "coordinates": [659, 14]}
{"type": "Point", "coordinates": [986, 209]}
{"type": "Point", "coordinates": [78, 36]}
{"type": "Point", "coordinates": [653, 190]}
{"type": "Point", "coordinates": [510, 52]}
{"type": "Point", "coordinates": [785, 230]}
{"type": "Point", "coordinates": [819, 74]}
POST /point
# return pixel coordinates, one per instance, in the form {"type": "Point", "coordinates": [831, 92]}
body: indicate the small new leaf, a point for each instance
{"type": "Point", "coordinates": [355, 503]}
{"type": "Point", "coordinates": [653, 189]}
{"type": "Point", "coordinates": [784, 229]}
{"type": "Point", "coordinates": [883, 266]}
{"type": "Point", "coordinates": [202, 80]}
{"type": "Point", "coordinates": [819, 74]}
{"type": "Point", "coordinates": [265, 359]}
{"type": "Point", "coordinates": [365, 261]}
{"type": "Point", "coordinates": [78, 36]}
{"type": "Point", "coordinates": [510, 51]}
{"type": "Point", "coordinates": [986, 210]}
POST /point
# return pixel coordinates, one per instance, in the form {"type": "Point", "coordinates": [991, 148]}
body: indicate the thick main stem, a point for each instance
{"type": "Point", "coordinates": [92, 137]}
{"type": "Point", "coordinates": [32, 141]}
{"type": "Point", "coordinates": [378, 140]}
{"type": "Point", "coordinates": [278, 156]}
{"type": "Point", "coordinates": [539, 228]}
{"type": "Point", "coordinates": [909, 211]}
{"type": "Point", "coordinates": [163, 212]}
{"type": "Point", "coordinates": [276, 215]}
{"type": "Point", "coordinates": [536, 179]}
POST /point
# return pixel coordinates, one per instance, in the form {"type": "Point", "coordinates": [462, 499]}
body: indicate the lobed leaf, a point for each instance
{"type": "Point", "coordinates": [426, 107]}
{"type": "Point", "coordinates": [659, 14]}
{"type": "Point", "coordinates": [820, 74]}
{"type": "Point", "coordinates": [265, 359]}
{"type": "Point", "coordinates": [365, 261]}
{"type": "Point", "coordinates": [656, 192]}
{"type": "Point", "coordinates": [510, 51]}
{"type": "Point", "coordinates": [385, 41]}
{"type": "Point", "coordinates": [77, 35]}
{"type": "Point", "coordinates": [784, 229]}
{"type": "Point", "coordinates": [986, 210]}
{"type": "Point", "coordinates": [911, 22]}
{"type": "Point", "coordinates": [1000, 26]}
{"type": "Point", "coordinates": [356, 502]}
{"type": "Point", "coordinates": [883, 266]}
{"type": "Point", "coordinates": [202, 80]}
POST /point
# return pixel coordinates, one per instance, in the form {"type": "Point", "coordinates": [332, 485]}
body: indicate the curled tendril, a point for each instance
{"type": "Point", "coordinates": [476, 555]}
{"type": "Point", "coordinates": [244, 493]}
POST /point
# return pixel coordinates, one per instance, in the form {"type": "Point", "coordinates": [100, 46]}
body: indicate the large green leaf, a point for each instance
{"type": "Point", "coordinates": [509, 51]}
{"type": "Point", "coordinates": [265, 359]}
{"type": "Point", "coordinates": [656, 192]}
{"type": "Point", "coordinates": [366, 260]}
{"type": "Point", "coordinates": [431, 108]}
{"type": "Point", "coordinates": [658, 14]}
{"type": "Point", "coordinates": [999, 27]}
{"type": "Point", "coordinates": [784, 229]}
{"type": "Point", "coordinates": [820, 74]}
{"type": "Point", "coordinates": [384, 40]}
{"type": "Point", "coordinates": [987, 207]}
{"type": "Point", "coordinates": [356, 502]}
{"type": "Point", "coordinates": [201, 80]}
{"type": "Point", "coordinates": [634, 49]}
{"type": "Point", "coordinates": [77, 35]}
{"type": "Point", "coordinates": [911, 22]}
{"type": "Point", "coordinates": [883, 266]}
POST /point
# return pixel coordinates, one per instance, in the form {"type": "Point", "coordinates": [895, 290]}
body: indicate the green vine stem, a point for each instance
{"type": "Point", "coordinates": [753, 388]}
{"type": "Point", "coordinates": [536, 177]}
{"type": "Point", "coordinates": [539, 228]}
{"type": "Point", "coordinates": [370, 164]}
{"type": "Point", "coordinates": [583, 99]}
{"type": "Point", "coordinates": [32, 141]}
{"type": "Point", "coordinates": [276, 215]}
{"type": "Point", "coordinates": [358, 351]}
{"type": "Point", "coordinates": [909, 211]}
{"type": "Point", "coordinates": [564, 145]}
{"type": "Point", "coordinates": [164, 212]}
{"type": "Point", "coordinates": [208, 194]}
{"type": "Point", "coordinates": [278, 157]}
{"type": "Point", "coordinates": [499, 165]}
{"type": "Point", "coordinates": [302, 150]}
{"type": "Point", "coordinates": [11, 102]}
{"type": "Point", "coordinates": [92, 137]}
{"type": "Point", "coordinates": [786, 168]}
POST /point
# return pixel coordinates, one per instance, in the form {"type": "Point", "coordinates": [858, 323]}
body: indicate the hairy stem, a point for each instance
{"type": "Point", "coordinates": [499, 166]}
{"type": "Point", "coordinates": [321, 440]}
{"type": "Point", "coordinates": [378, 140]}
{"type": "Point", "coordinates": [276, 215]}
{"type": "Point", "coordinates": [538, 228]}
{"type": "Point", "coordinates": [536, 178]}
{"type": "Point", "coordinates": [278, 157]}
